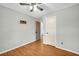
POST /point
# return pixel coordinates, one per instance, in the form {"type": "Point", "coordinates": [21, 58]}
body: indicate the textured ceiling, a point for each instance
{"type": "Point", "coordinates": [48, 7]}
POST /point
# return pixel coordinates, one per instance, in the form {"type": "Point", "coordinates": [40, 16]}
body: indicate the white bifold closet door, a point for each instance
{"type": "Point", "coordinates": [50, 30]}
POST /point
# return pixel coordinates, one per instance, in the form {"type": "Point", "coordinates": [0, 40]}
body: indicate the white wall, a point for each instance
{"type": "Point", "coordinates": [67, 28]}
{"type": "Point", "coordinates": [12, 33]}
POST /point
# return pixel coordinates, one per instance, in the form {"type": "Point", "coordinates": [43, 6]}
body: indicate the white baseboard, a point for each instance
{"type": "Point", "coordinates": [63, 48]}
{"type": "Point", "coordinates": [16, 47]}
{"type": "Point", "coordinates": [67, 50]}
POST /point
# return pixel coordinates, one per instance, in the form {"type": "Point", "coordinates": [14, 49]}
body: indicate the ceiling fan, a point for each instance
{"type": "Point", "coordinates": [33, 6]}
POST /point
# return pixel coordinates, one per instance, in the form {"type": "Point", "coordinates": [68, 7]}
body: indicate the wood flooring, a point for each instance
{"type": "Point", "coordinates": [38, 49]}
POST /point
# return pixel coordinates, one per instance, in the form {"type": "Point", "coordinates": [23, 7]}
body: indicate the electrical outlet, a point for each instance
{"type": "Point", "coordinates": [62, 43]}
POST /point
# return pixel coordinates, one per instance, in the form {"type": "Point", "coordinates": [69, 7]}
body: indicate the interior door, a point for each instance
{"type": "Point", "coordinates": [37, 30]}
{"type": "Point", "coordinates": [51, 30]}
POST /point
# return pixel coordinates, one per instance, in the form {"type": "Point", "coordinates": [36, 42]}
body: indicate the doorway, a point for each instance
{"type": "Point", "coordinates": [37, 30]}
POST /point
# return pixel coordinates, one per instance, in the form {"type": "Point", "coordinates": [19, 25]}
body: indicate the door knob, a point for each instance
{"type": "Point", "coordinates": [47, 33]}
{"type": "Point", "coordinates": [35, 32]}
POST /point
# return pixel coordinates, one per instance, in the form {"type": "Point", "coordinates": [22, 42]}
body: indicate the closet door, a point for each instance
{"type": "Point", "coordinates": [51, 30]}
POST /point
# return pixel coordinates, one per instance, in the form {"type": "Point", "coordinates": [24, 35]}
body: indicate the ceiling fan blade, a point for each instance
{"type": "Point", "coordinates": [24, 4]}
{"type": "Point", "coordinates": [39, 3]}
{"type": "Point", "coordinates": [31, 10]}
{"type": "Point", "coordinates": [41, 9]}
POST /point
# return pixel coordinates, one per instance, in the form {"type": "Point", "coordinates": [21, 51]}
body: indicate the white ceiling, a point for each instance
{"type": "Point", "coordinates": [48, 7]}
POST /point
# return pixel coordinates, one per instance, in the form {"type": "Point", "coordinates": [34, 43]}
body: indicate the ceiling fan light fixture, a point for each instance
{"type": "Point", "coordinates": [33, 6]}
{"type": "Point", "coordinates": [30, 7]}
